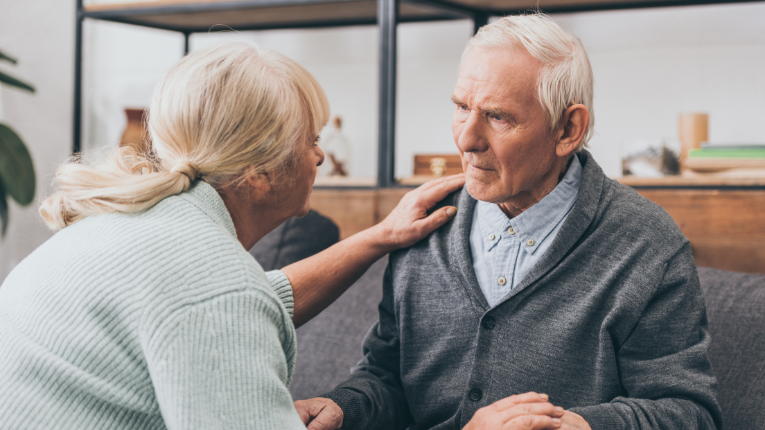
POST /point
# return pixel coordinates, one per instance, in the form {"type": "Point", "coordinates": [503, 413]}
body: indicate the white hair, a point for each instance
{"type": "Point", "coordinates": [565, 78]}
{"type": "Point", "coordinates": [218, 112]}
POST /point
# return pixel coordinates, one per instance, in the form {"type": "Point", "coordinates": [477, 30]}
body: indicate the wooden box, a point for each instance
{"type": "Point", "coordinates": [423, 162]}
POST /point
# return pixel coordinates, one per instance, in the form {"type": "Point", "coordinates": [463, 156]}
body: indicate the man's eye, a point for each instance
{"type": "Point", "coordinates": [463, 108]}
{"type": "Point", "coordinates": [495, 117]}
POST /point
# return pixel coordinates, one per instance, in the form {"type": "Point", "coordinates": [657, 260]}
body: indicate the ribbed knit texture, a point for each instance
{"type": "Point", "coordinates": [147, 321]}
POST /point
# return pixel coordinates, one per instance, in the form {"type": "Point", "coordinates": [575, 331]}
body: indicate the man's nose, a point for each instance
{"type": "Point", "coordinates": [472, 136]}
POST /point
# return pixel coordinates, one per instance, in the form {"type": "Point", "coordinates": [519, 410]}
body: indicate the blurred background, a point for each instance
{"type": "Point", "coordinates": [650, 66]}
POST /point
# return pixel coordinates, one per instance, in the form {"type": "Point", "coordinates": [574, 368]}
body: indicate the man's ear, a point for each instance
{"type": "Point", "coordinates": [574, 125]}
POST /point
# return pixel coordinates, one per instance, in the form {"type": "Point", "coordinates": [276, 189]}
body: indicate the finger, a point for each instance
{"type": "Point", "coordinates": [304, 415]}
{"type": "Point", "coordinates": [454, 182]}
{"type": "Point", "coordinates": [533, 422]}
{"type": "Point", "coordinates": [437, 192]}
{"type": "Point", "coordinates": [304, 408]}
{"type": "Point", "coordinates": [442, 180]}
{"type": "Point", "coordinates": [509, 402]}
{"type": "Point", "coordinates": [522, 409]}
{"type": "Point", "coordinates": [328, 419]}
{"type": "Point", "coordinates": [436, 219]}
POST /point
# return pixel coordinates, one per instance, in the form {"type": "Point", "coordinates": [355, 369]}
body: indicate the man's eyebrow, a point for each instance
{"type": "Point", "coordinates": [490, 111]}
{"type": "Point", "coordinates": [496, 111]}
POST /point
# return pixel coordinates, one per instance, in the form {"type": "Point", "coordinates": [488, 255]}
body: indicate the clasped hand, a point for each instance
{"type": "Point", "coordinates": [529, 411]}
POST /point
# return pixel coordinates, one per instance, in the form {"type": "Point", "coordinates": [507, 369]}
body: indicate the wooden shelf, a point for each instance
{"type": "Point", "coordinates": [345, 181]}
{"type": "Point", "coordinates": [691, 182]}
{"type": "Point", "coordinates": [638, 182]}
{"type": "Point", "coordinates": [191, 16]}
{"type": "Point", "coordinates": [200, 16]}
{"type": "Point", "coordinates": [503, 7]}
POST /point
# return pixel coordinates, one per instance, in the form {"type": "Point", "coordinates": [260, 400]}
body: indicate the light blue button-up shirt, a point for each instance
{"type": "Point", "coordinates": [504, 250]}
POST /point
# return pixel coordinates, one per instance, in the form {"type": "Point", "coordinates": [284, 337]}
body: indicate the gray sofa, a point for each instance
{"type": "Point", "coordinates": [330, 344]}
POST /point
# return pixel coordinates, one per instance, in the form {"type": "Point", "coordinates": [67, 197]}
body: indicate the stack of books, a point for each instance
{"type": "Point", "coordinates": [726, 160]}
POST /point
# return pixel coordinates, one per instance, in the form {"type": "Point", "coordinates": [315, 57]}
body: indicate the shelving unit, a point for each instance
{"type": "Point", "coordinates": [194, 16]}
{"type": "Point", "coordinates": [722, 218]}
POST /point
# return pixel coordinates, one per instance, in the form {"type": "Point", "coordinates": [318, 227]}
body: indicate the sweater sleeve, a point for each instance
{"type": "Point", "coordinates": [221, 364]}
{"type": "Point", "coordinates": [282, 287]}
{"type": "Point", "coordinates": [373, 397]}
{"type": "Point", "coordinates": [663, 364]}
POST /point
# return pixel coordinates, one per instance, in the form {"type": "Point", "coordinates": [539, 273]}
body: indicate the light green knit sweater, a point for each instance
{"type": "Point", "coordinates": [147, 321]}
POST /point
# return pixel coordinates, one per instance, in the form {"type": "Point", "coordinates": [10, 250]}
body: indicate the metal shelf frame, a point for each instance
{"type": "Point", "coordinates": [387, 19]}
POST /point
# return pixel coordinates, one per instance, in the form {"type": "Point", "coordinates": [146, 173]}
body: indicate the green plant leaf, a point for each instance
{"type": "Point", "coordinates": [10, 80]}
{"type": "Point", "coordinates": [4, 56]}
{"type": "Point", "coordinates": [3, 209]}
{"type": "Point", "coordinates": [16, 169]}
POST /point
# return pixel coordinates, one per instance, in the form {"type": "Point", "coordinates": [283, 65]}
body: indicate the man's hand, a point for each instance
{"type": "Point", "coordinates": [573, 421]}
{"type": "Point", "coordinates": [529, 411]}
{"type": "Point", "coordinates": [320, 413]}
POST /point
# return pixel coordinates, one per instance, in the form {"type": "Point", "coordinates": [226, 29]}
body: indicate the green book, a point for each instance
{"type": "Point", "coordinates": [733, 152]}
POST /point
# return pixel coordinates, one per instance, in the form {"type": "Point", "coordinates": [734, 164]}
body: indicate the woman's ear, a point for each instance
{"type": "Point", "coordinates": [259, 181]}
{"type": "Point", "coordinates": [575, 121]}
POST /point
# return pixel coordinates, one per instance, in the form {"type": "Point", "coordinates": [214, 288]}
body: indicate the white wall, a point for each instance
{"type": "Point", "coordinates": [40, 34]}
{"type": "Point", "coordinates": [122, 64]}
{"type": "Point", "coordinates": [344, 61]}
{"type": "Point", "coordinates": [428, 59]}
{"type": "Point", "coordinates": [652, 64]}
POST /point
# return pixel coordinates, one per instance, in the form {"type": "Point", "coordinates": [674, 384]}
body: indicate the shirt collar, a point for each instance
{"type": "Point", "coordinates": [534, 225]}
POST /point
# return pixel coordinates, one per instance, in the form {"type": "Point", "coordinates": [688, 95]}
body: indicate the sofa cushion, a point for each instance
{"type": "Point", "coordinates": [296, 239]}
{"type": "Point", "coordinates": [330, 344]}
{"type": "Point", "coordinates": [736, 312]}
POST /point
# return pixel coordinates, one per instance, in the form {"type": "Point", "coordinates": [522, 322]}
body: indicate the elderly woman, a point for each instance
{"type": "Point", "coordinates": [146, 311]}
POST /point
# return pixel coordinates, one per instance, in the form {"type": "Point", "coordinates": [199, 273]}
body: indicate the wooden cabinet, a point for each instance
{"type": "Point", "coordinates": [726, 227]}
{"type": "Point", "coordinates": [725, 222]}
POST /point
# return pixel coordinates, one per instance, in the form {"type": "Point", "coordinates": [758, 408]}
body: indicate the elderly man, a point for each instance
{"type": "Point", "coordinates": [552, 279]}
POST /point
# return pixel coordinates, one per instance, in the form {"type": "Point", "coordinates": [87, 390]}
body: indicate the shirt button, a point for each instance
{"type": "Point", "coordinates": [530, 242]}
{"type": "Point", "coordinates": [476, 394]}
{"type": "Point", "coordinates": [501, 280]}
{"type": "Point", "coordinates": [511, 230]}
{"type": "Point", "coordinates": [491, 237]}
{"type": "Point", "coordinates": [489, 323]}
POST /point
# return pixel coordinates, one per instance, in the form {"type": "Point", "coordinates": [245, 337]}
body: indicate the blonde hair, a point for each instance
{"type": "Point", "coordinates": [566, 76]}
{"type": "Point", "coordinates": [219, 111]}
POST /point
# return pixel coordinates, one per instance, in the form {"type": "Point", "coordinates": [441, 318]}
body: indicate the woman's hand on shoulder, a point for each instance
{"type": "Point", "coordinates": [409, 222]}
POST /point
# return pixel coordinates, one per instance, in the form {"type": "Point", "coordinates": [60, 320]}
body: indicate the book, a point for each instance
{"type": "Point", "coordinates": [738, 152]}
{"type": "Point", "coordinates": [701, 164]}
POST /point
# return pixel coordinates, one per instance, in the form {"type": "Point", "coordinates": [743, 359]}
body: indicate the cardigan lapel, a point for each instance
{"type": "Point", "coordinates": [580, 218]}
{"type": "Point", "coordinates": [459, 253]}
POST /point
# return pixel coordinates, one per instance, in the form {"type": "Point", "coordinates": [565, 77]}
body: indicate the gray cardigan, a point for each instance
{"type": "Point", "coordinates": [610, 323]}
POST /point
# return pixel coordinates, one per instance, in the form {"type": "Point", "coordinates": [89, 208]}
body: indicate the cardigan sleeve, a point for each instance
{"type": "Point", "coordinates": [221, 364]}
{"type": "Point", "coordinates": [373, 397]}
{"type": "Point", "coordinates": [663, 363]}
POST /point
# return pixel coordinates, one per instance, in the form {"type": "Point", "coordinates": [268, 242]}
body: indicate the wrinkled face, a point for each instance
{"type": "Point", "coordinates": [500, 127]}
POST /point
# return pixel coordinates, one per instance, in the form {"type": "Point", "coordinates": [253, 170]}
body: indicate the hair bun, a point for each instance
{"type": "Point", "coordinates": [187, 168]}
